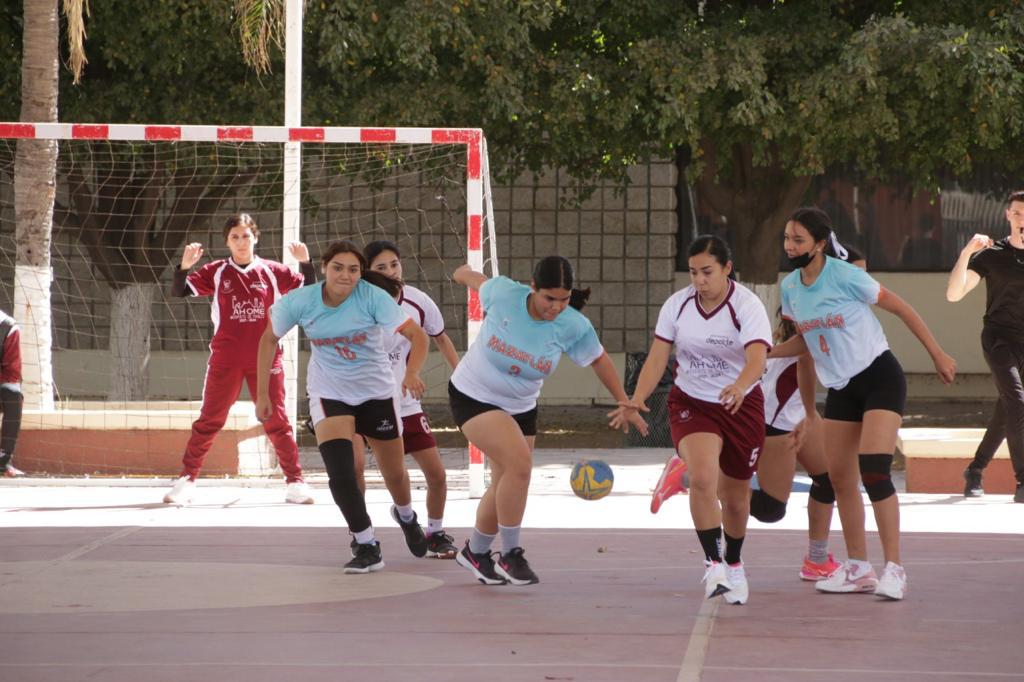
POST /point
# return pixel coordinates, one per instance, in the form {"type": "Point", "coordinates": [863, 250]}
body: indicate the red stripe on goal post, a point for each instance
{"type": "Point", "coordinates": [25, 131]}
{"type": "Point", "coordinates": [378, 134]}
{"type": "Point", "coordinates": [475, 312]}
{"type": "Point", "coordinates": [163, 133]}
{"type": "Point", "coordinates": [90, 132]}
{"type": "Point", "coordinates": [475, 232]}
{"type": "Point", "coordinates": [241, 134]}
{"type": "Point", "coordinates": [306, 134]}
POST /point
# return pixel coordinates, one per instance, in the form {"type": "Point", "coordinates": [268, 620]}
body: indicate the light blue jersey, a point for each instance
{"type": "Point", "coordinates": [348, 361]}
{"type": "Point", "coordinates": [507, 364]}
{"type": "Point", "coordinates": [835, 318]}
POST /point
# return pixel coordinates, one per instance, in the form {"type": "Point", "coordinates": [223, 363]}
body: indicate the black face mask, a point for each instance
{"type": "Point", "coordinates": [801, 261]}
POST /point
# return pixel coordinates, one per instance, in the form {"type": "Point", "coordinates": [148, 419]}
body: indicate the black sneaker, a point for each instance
{"type": "Point", "coordinates": [972, 485]}
{"type": "Point", "coordinates": [441, 545]}
{"type": "Point", "coordinates": [1018, 496]}
{"type": "Point", "coordinates": [367, 559]}
{"type": "Point", "coordinates": [514, 568]}
{"type": "Point", "coordinates": [480, 565]}
{"type": "Point", "coordinates": [414, 536]}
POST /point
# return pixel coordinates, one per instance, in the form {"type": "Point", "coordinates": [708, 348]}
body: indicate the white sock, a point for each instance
{"type": "Point", "coordinates": [434, 525]}
{"type": "Point", "coordinates": [365, 537]}
{"type": "Point", "coordinates": [405, 512]}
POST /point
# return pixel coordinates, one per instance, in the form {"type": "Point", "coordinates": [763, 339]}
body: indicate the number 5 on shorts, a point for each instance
{"type": "Point", "coordinates": [754, 454]}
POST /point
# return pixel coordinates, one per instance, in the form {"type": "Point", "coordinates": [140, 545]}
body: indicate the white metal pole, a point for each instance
{"type": "Point", "coordinates": [292, 209]}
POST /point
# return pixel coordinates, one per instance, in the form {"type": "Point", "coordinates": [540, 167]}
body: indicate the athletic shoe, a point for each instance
{"type": "Point", "coordinates": [298, 492]}
{"type": "Point", "coordinates": [441, 545]}
{"type": "Point", "coordinates": [182, 492]}
{"type": "Point", "coordinates": [670, 483]}
{"type": "Point", "coordinates": [353, 546]}
{"type": "Point", "coordinates": [513, 567]}
{"type": "Point", "coordinates": [10, 471]}
{"type": "Point", "coordinates": [1018, 496]}
{"type": "Point", "coordinates": [480, 565]}
{"type": "Point", "coordinates": [815, 572]}
{"type": "Point", "coordinates": [740, 591]}
{"type": "Point", "coordinates": [845, 579]}
{"type": "Point", "coordinates": [893, 583]}
{"type": "Point", "coordinates": [366, 560]}
{"type": "Point", "coordinates": [414, 536]}
{"type": "Point", "coordinates": [972, 483]}
{"type": "Point", "coordinates": [716, 579]}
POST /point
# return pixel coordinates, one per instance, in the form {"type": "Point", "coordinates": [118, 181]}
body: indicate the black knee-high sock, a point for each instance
{"type": "Point", "coordinates": [710, 541]}
{"type": "Point", "coordinates": [11, 403]}
{"type": "Point", "coordinates": [732, 549]}
{"type": "Point", "coordinates": [341, 476]}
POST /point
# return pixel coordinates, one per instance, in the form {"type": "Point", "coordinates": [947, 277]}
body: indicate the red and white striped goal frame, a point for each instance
{"type": "Point", "coordinates": [473, 138]}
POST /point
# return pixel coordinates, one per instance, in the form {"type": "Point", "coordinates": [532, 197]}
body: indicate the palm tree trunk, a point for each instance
{"type": "Point", "coordinates": [35, 169]}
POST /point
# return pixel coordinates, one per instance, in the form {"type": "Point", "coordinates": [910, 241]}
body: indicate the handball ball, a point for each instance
{"type": "Point", "coordinates": [591, 479]}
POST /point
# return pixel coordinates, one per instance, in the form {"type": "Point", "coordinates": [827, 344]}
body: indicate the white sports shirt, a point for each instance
{"type": "Point", "coordinates": [710, 345]}
{"type": "Point", "coordinates": [426, 314]}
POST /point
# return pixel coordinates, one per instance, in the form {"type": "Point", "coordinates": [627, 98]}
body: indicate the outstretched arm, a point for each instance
{"type": "Point", "coordinates": [945, 365]}
{"type": "Point", "coordinates": [623, 416]}
{"type": "Point", "coordinates": [447, 348]}
{"type": "Point", "coordinates": [789, 348]}
{"type": "Point", "coordinates": [412, 383]}
{"type": "Point", "coordinates": [264, 359]}
{"type": "Point", "coordinates": [189, 257]}
{"type": "Point", "coordinates": [467, 276]}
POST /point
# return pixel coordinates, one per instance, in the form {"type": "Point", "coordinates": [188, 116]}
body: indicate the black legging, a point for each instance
{"type": "Point", "coordinates": [1006, 361]}
{"type": "Point", "coordinates": [10, 427]}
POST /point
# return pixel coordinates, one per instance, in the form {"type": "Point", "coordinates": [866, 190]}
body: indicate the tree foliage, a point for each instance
{"type": "Point", "coordinates": [754, 98]}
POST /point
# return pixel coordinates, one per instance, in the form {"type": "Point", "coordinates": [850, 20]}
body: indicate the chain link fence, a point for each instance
{"type": "Point", "coordinates": [658, 435]}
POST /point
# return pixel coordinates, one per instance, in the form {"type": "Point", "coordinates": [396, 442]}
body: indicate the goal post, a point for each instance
{"type": "Point", "coordinates": [201, 147]}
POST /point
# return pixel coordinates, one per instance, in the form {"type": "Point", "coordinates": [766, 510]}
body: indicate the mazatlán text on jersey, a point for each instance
{"type": "Point", "coordinates": [357, 339]}
{"type": "Point", "coordinates": [542, 365]}
{"type": "Point", "coordinates": [830, 321]}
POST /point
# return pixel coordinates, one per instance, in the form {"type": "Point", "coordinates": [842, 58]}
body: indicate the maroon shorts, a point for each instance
{"type": "Point", "coordinates": [416, 433]}
{"type": "Point", "coordinates": [742, 433]}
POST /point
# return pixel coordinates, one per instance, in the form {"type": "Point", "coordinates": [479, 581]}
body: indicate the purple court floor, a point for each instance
{"type": "Point", "coordinates": [270, 603]}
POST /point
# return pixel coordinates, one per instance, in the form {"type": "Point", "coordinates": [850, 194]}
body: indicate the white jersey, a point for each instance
{"type": "Point", "coordinates": [710, 346]}
{"type": "Point", "coordinates": [426, 314]}
{"type": "Point", "coordinates": [783, 408]}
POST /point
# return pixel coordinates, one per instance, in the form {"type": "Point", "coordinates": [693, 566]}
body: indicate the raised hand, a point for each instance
{"type": "Point", "coordinates": [299, 251]}
{"type": "Point", "coordinates": [193, 252]}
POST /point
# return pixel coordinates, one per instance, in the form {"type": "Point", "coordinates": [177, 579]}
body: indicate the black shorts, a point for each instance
{"type": "Point", "coordinates": [377, 419]}
{"type": "Point", "coordinates": [770, 431]}
{"type": "Point", "coordinates": [465, 408]}
{"type": "Point", "coordinates": [882, 386]}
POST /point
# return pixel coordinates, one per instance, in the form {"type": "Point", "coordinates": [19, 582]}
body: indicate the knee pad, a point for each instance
{"type": "Point", "coordinates": [339, 462]}
{"type": "Point", "coordinates": [875, 473]}
{"type": "Point", "coordinates": [821, 489]}
{"type": "Point", "coordinates": [766, 508]}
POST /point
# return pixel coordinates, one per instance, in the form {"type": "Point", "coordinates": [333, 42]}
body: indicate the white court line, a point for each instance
{"type": "Point", "coordinates": [959, 674]}
{"type": "Point", "coordinates": [341, 664]}
{"type": "Point", "coordinates": [700, 638]}
{"type": "Point", "coordinates": [85, 549]}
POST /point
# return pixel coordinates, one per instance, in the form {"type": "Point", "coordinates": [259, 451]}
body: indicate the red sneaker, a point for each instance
{"type": "Point", "coordinates": [815, 572]}
{"type": "Point", "coordinates": [670, 483]}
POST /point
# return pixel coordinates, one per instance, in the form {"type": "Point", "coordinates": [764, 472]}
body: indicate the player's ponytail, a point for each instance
{"type": "Point", "coordinates": [555, 272]}
{"type": "Point", "coordinates": [377, 279]}
{"type": "Point", "coordinates": [818, 223]}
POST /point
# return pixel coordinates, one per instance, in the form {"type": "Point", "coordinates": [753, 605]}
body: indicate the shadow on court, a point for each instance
{"type": "Point", "coordinates": [271, 603]}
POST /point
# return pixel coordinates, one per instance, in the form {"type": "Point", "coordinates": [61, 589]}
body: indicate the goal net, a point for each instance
{"type": "Point", "coordinates": [128, 359]}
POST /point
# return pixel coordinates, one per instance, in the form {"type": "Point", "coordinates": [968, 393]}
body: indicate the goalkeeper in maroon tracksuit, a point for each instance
{"type": "Point", "coordinates": [243, 287]}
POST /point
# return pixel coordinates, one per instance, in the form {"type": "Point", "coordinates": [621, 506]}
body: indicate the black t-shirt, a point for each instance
{"type": "Point", "coordinates": [1002, 266]}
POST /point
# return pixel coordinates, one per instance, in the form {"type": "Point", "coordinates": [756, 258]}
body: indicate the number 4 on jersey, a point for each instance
{"type": "Point", "coordinates": [823, 344]}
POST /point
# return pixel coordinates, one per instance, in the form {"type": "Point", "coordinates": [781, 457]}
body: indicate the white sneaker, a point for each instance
{"type": "Point", "coordinates": [846, 579]}
{"type": "Point", "coordinates": [298, 492]}
{"type": "Point", "coordinates": [715, 579]}
{"type": "Point", "coordinates": [893, 583]}
{"type": "Point", "coordinates": [182, 492]}
{"type": "Point", "coordinates": [740, 591]}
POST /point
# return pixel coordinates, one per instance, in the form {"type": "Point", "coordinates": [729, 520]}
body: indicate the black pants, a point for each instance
{"type": "Point", "coordinates": [1006, 361]}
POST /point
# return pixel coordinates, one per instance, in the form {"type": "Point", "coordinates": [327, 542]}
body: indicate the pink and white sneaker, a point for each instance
{"type": "Point", "coordinates": [893, 583]}
{"type": "Point", "coordinates": [848, 579]}
{"type": "Point", "coordinates": [670, 483]}
{"type": "Point", "coordinates": [814, 572]}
